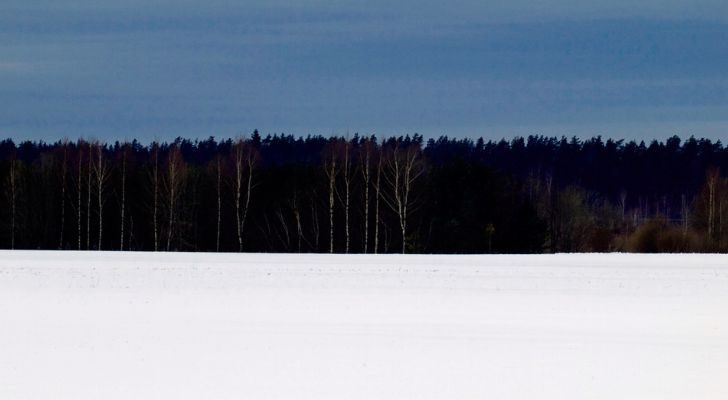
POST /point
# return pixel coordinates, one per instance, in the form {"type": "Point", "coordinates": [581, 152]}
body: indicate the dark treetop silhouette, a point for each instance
{"type": "Point", "coordinates": [284, 193]}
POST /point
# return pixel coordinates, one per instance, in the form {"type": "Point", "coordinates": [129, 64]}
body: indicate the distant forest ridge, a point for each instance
{"type": "Point", "coordinates": [361, 194]}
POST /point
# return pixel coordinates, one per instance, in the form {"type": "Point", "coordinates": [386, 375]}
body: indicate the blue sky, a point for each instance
{"type": "Point", "coordinates": [161, 69]}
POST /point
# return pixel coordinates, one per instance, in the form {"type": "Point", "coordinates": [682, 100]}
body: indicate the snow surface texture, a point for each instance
{"type": "Point", "coordinates": [250, 326]}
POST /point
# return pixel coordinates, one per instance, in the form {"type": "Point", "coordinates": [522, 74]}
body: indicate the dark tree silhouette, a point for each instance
{"type": "Point", "coordinates": [361, 194]}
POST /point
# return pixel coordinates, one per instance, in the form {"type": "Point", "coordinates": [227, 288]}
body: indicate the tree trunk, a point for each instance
{"type": "Point", "coordinates": [377, 190]}
{"type": "Point", "coordinates": [123, 195]}
{"type": "Point", "coordinates": [219, 207]}
{"type": "Point", "coordinates": [331, 173]}
{"type": "Point", "coordinates": [63, 192]}
{"type": "Point", "coordinates": [100, 202]}
{"type": "Point", "coordinates": [13, 195]}
{"type": "Point", "coordinates": [403, 169]}
{"type": "Point", "coordinates": [88, 202]}
{"type": "Point", "coordinates": [80, 183]}
{"type": "Point", "coordinates": [711, 204]}
{"type": "Point", "coordinates": [172, 188]}
{"type": "Point", "coordinates": [155, 179]}
{"type": "Point", "coordinates": [172, 195]}
{"type": "Point", "coordinates": [366, 175]}
{"type": "Point", "coordinates": [245, 157]}
{"type": "Point", "coordinates": [248, 193]}
{"type": "Point", "coordinates": [347, 185]}
{"type": "Point", "coordinates": [315, 224]}
{"type": "Point", "coordinates": [175, 183]}
{"type": "Point", "coordinates": [297, 217]}
{"type": "Point", "coordinates": [238, 189]}
{"type": "Point", "coordinates": [102, 176]}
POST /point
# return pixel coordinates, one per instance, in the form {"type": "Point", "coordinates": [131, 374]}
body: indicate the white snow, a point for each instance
{"type": "Point", "coordinates": [251, 326]}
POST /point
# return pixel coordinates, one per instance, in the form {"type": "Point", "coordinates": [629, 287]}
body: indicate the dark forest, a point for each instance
{"type": "Point", "coordinates": [360, 194]}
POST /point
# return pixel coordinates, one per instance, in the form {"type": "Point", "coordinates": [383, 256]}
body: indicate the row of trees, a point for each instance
{"type": "Point", "coordinates": [162, 195]}
{"type": "Point", "coordinates": [365, 195]}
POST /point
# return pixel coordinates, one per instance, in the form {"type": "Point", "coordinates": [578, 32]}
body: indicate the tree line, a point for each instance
{"type": "Point", "coordinates": [361, 194]}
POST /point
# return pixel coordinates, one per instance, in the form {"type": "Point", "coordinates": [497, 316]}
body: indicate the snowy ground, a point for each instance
{"type": "Point", "coordinates": [199, 326]}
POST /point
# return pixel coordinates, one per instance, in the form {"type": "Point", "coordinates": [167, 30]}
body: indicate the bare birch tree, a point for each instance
{"type": "Point", "coordinates": [377, 197]}
{"type": "Point", "coordinates": [13, 183]}
{"type": "Point", "coordinates": [331, 170]}
{"type": "Point", "coordinates": [712, 179]}
{"type": "Point", "coordinates": [346, 172]}
{"type": "Point", "coordinates": [102, 172]}
{"type": "Point", "coordinates": [124, 154]}
{"type": "Point", "coordinates": [403, 167]}
{"type": "Point", "coordinates": [174, 185]}
{"type": "Point", "coordinates": [79, 186]}
{"type": "Point", "coordinates": [316, 233]}
{"type": "Point", "coordinates": [218, 172]}
{"type": "Point", "coordinates": [365, 157]}
{"type": "Point", "coordinates": [245, 159]}
{"type": "Point", "coordinates": [155, 182]}
{"type": "Point", "coordinates": [88, 198]}
{"type": "Point", "coordinates": [297, 218]}
{"type": "Point", "coordinates": [623, 202]}
{"type": "Point", "coordinates": [64, 166]}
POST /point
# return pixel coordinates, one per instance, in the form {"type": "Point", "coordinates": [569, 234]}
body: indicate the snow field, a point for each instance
{"type": "Point", "coordinates": [112, 325]}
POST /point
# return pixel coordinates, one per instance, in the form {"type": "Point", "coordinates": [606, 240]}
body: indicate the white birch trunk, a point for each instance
{"type": "Point", "coordinates": [377, 190]}
{"type": "Point", "coordinates": [155, 179]}
{"type": "Point", "coordinates": [331, 173]}
{"type": "Point", "coordinates": [123, 196]}
{"type": "Point", "coordinates": [13, 195]}
{"type": "Point", "coordinates": [347, 184]}
{"type": "Point", "coordinates": [88, 199]}
{"type": "Point", "coordinates": [63, 192]}
{"type": "Point", "coordinates": [219, 207]}
{"type": "Point", "coordinates": [173, 187]}
{"type": "Point", "coordinates": [403, 168]}
{"type": "Point", "coordinates": [248, 194]}
{"type": "Point", "coordinates": [102, 175]}
{"type": "Point", "coordinates": [366, 175]}
{"type": "Point", "coordinates": [80, 183]}
{"type": "Point", "coordinates": [238, 189]}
